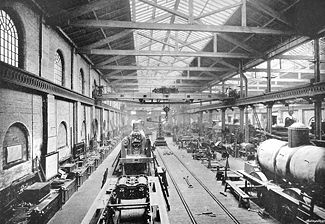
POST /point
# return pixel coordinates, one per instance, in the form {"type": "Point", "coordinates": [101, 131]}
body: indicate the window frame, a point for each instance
{"type": "Point", "coordinates": [59, 55]}
{"type": "Point", "coordinates": [16, 22]}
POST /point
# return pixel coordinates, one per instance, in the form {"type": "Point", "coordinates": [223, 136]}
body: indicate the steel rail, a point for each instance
{"type": "Point", "coordinates": [187, 208]}
{"type": "Point", "coordinates": [231, 216]}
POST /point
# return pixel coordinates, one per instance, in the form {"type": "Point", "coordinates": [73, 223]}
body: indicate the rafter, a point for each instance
{"type": "Point", "coordinates": [216, 11]}
{"type": "Point", "coordinates": [172, 11]}
{"type": "Point", "coordinates": [165, 53]}
{"type": "Point", "coordinates": [185, 44]}
{"type": "Point", "coordinates": [156, 40]}
{"type": "Point", "coordinates": [78, 11]}
{"type": "Point", "coordinates": [177, 27]}
{"type": "Point", "coordinates": [269, 11]}
{"type": "Point", "coordinates": [108, 39]}
{"type": "Point", "coordinates": [118, 71]}
{"type": "Point", "coordinates": [238, 43]}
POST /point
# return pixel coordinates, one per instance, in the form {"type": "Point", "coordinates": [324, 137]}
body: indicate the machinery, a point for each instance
{"type": "Point", "coordinates": [137, 194]}
{"type": "Point", "coordinates": [290, 177]}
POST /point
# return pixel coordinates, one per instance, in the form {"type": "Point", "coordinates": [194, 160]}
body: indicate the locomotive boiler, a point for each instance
{"type": "Point", "coordinates": [296, 162]}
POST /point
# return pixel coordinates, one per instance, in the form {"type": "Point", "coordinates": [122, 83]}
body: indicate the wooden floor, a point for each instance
{"type": "Point", "coordinates": [204, 209]}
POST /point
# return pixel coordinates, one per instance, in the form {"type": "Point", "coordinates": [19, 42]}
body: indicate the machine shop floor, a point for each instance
{"type": "Point", "coordinates": [77, 206]}
{"type": "Point", "coordinates": [178, 213]}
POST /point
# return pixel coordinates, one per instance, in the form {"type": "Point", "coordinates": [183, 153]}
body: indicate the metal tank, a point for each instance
{"type": "Point", "coordinates": [267, 152]}
{"type": "Point", "coordinates": [304, 164]}
{"type": "Point", "coordinates": [308, 164]}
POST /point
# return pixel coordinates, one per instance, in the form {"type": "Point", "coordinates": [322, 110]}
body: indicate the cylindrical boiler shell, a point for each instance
{"type": "Point", "coordinates": [282, 160]}
{"type": "Point", "coordinates": [306, 164]}
{"type": "Point", "coordinates": [267, 152]}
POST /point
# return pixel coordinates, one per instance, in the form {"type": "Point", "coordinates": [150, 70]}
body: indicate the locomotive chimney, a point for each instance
{"type": "Point", "coordinates": [298, 135]}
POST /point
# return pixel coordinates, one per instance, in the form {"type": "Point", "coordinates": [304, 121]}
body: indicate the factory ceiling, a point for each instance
{"type": "Point", "coordinates": [193, 45]}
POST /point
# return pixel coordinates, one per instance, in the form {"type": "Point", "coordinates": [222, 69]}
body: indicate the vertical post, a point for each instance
{"type": "Point", "coordinates": [243, 13]}
{"type": "Point", "coordinates": [318, 117]}
{"type": "Point", "coordinates": [269, 117]}
{"type": "Point", "coordinates": [76, 108]}
{"type": "Point", "coordinates": [246, 126]}
{"type": "Point", "coordinates": [215, 42]}
{"type": "Point", "coordinates": [317, 60]}
{"type": "Point", "coordinates": [200, 123]}
{"type": "Point", "coordinates": [101, 120]}
{"type": "Point", "coordinates": [223, 121]}
{"type": "Point", "coordinates": [190, 11]}
{"type": "Point", "coordinates": [241, 118]}
{"type": "Point", "coordinates": [268, 69]}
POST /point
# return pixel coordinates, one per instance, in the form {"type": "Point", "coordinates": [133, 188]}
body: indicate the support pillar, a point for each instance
{"type": "Point", "coordinates": [200, 123]}
{"type": "Point", "coordinates": [241, 118]}
{"type": "Point", "coordinates": [269, 117]}
{"type": "Point", "coordinates": [210, 116]}
{"type": "Point", "coordinates": [268, 69]}
{"type": "Point", "coordinates": [246, 126]}
{"type": "Point", "coordinates": [318, 117]}
{"type": "Point", "coordinates": [223, 122]}
{"type": "Point", "coordinates": [316, 60]}
{"type": "Point", "coordinates": [101, 120]}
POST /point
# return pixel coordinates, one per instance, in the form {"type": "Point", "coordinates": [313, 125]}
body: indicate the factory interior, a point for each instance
{"type": "Point", "coordinates": [162, 111]}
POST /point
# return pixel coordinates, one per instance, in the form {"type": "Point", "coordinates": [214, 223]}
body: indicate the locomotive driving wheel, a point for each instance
{"type": "Point", "coordinates": [260, 176]}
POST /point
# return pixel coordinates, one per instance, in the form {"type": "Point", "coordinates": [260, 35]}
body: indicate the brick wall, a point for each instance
{"type": "Point", "coordinates": [25, 109]}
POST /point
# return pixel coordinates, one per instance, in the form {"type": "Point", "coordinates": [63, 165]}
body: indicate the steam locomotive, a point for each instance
{"type": "Point", "coordinates": [295, 162]}
{"type": "Point", "coordinates": [292, 176]}
{"type": "Point", "coordinates": [137, 193]}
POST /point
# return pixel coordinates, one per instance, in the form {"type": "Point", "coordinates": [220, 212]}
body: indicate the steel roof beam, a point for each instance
{"type": "Point", "coordinates": [159, 78]}
{"type": "Point", "coordinates": [167, 68]}
{"type": "Point", "coordinates": [91, 23]}
{"type": "Point", "coordinates": [166, 53]}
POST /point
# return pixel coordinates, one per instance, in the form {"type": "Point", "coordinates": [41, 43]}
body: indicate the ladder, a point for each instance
{"type": "Point", "coordinates": [305, 211]}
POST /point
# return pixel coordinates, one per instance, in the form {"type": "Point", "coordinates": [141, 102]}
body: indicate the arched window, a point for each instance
{"type": "Point", "coordinates": [15, 145]}
{"type": "Point", "coordinates": [8, 40]}
{"type": "Point", "coordinates": [58, 68]}
{"type": "Point", "coordinates": [62, 136]}
{"type": "Point", "coordinates": [82, 81]}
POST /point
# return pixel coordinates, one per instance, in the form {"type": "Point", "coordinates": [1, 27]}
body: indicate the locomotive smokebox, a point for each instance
{"type": "Point", "coordinates": [298, 135]}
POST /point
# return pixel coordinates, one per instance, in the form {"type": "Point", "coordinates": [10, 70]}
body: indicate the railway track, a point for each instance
{"type": "Point", "coordinates": [227, 216]}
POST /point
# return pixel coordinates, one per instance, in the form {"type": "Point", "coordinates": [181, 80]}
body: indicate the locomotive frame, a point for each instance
{"type": "Point", "coordinates": [138, 187]}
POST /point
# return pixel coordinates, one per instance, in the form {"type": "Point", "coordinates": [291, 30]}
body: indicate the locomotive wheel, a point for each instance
{"type": "Point", "coordinates": [293, 192]}
{"type": "Point", "coordinates": [259, 175]}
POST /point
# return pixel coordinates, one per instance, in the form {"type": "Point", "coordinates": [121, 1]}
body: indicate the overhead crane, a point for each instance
{"type": "Point", "coordinates": [160, 98]}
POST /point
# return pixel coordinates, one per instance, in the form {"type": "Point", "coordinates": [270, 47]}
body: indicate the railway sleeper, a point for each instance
{"type": "Point", "coordinates": [243, 198]}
